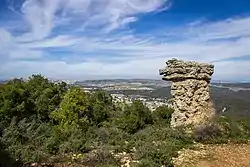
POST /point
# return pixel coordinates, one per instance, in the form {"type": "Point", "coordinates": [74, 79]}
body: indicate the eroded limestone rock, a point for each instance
{"type": "Point", "coordinates": [190, 91]}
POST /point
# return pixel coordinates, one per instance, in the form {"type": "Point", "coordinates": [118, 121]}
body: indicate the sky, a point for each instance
{"type": "Point", "coordinates": [108, 39]}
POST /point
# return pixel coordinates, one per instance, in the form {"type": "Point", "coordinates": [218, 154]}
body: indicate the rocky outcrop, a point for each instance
{"type": "Point", "coordinates": [190, 91]}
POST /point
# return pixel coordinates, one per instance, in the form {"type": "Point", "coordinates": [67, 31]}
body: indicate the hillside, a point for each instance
{"type": "Point", "coordinates": [235, 102]}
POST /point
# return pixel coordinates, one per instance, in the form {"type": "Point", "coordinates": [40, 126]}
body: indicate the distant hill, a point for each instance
{"type": "Point", "coordinates": [234, 97]}
{"type": "Point", "coordinates": [120, 81]}
{"type": "Point", "coordinates": [233, 85]}
{"type": "Point", "coordinates": [235, 102]}
{"type": "Point", "coordinates": [3, 81]}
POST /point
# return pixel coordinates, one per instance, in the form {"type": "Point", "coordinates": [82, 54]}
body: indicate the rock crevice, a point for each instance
{"type": "Point", "coordinates": [190, 91]}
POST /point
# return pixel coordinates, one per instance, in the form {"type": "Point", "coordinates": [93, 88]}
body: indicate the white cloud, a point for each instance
{"type": "Point", "coordinates": [231, 70]}
{"type": "Point", "coordinates": [40, 16]}
{"type": "Point", "coordinates": [229, 28]}
{"type": "Point", "coordinates": [58, 41]}
{"type": "Point", "coordinates": [94, 54]}
{"type": "Point", "coordinates": [112, 14]}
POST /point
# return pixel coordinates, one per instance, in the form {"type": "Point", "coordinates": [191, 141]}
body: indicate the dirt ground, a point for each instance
{"type": "Point", "coordinates": [227, 155]}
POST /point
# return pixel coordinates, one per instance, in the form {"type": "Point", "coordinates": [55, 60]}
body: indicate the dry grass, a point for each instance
{"type": "Point", "coordinates": [224, 155]}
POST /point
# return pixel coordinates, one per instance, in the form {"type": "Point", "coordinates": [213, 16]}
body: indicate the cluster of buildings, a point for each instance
{"type": "Point", "coordinates": [151, 103]}
{"type": "Point", "coordinates": [116, 89]}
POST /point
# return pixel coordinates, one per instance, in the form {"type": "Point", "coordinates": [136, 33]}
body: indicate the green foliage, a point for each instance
{"type": "Point", "coordinates": [156, 145]}
{"type": "Point", "coordinates": [112, 137]}
{"type": "Point", "coordinates": [135, 117]}
{"type": "Point", "coordinates": [82, 110]}
{"type": "Point", "coordinates": [235, 129]}
{"type": "Point", "coordinates": [40, 120]}
{"type": "Point", "coordinates": [78, 111]}
{"type": "Point", "coordinates": [36, 97]}
{"type": "Point", "coordinates": [14, 101]}
{"type": "Point", "coordinates": [99, 158]}
{"type": "Point", "coordinates": [225, 129]}
{"type": "Point", "coordinates": [73, 110]}
{"type": "Point", "coordinates": [45, 96]}
{"type": "Point", "coordinates": [209, 134]}
{"type": "Point", "coordinates": [39, 91]}
{"type": "Point", "coordinates": [101, 106]}
{"type": "Point", "coordinates": [163, 114]}
{"type": "Point", "coordinates": [25, 139]}
{"type": "Point", "coordinates": [72, 140]}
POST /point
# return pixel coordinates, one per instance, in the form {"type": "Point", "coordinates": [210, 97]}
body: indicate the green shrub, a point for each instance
{"type": "Point", "coordinates": [24, 140]}
{"type": "Point", "coordinates": [65, 141]}
{"type": "Point", "coordinates": [99, 158]}
{"type": "Point", "coordinates": [209, 134]}
{"type": "Point", "coordinates": [156, 145]}
{"type": "Point", "coordinates": [224, 129]}
{"type": "Point", "coordinates": [135, 117]}
{"type": "Point", "coordinates": [163, 114]}
{"type": "Point", "coordinates": [111, 138]}
{"type": "Point", "coordinates": [235, 129]}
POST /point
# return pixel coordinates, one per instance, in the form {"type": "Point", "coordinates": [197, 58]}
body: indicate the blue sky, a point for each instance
{"type": "Point", "coordinates": [105, 39]}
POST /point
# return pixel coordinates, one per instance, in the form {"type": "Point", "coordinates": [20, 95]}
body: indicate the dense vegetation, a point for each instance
{"type": "Point", "coordinates": [47, 122]}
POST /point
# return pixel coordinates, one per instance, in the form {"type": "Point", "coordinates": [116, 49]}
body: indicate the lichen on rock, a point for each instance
{"type": "Point", "coordinates": [190, 91]}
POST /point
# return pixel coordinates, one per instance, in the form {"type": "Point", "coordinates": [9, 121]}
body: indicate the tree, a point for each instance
{"type": "Point", "coordinates": [73, 110]}
{"type": "Point", "coordinates": [101, 106]}
{"type": "Point", "coordinates": [14, 101]}
{"type": "Point", "coordinates": [46, 96]}
{"type": "Point", "coordinates": [37, 97]}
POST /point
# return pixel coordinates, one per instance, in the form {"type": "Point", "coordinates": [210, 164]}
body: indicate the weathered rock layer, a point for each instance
{"type": "Point", "coordinates": [190, 91]}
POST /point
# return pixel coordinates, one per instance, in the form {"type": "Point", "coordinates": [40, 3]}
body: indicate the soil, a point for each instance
{"type": "Point", "coordinates": [226, 155]}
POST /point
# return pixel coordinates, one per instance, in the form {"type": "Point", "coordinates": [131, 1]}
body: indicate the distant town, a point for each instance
{"type": "Point", "coordinates": [117, 89]}
{"type": "Point", "coordinates": [227, 97]}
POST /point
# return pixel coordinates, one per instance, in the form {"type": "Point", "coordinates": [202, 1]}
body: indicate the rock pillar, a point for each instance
{"type": "Point", "coordinates": [190, 91]}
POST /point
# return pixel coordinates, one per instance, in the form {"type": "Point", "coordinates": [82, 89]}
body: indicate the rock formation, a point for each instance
{"type": "Point", "coordinates": [190, 91]}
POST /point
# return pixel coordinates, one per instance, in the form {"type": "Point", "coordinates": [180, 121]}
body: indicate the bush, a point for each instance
{"type": "Point", "coordinates": [111, 138]}
{"type": "Point", "coordinates": [209, 134]}
{"type": "Point", "coordinates": [71, 140]}
{"type": "Point", "coordinates": [24, 140]}
{"type": "Point", "coordinates": [99, 158]}
{"type": "Point", "coordinates": [163, 114]}
{"type": "Point", "coordinates": [224, 129]}
{"type": "Point", "coordinates": [156, 145]}
{"type": "Point", "coordinates": [135, 117]}
{"type": "Point", "coordinates": [235, 129]}
{"type": "Point", "coordinates": [83, 109]}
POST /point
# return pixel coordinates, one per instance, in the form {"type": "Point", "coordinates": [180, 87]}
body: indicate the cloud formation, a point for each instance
{"type": "Point", "coordinates": [83, 39]}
